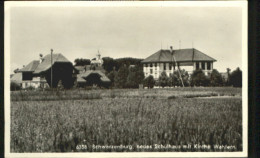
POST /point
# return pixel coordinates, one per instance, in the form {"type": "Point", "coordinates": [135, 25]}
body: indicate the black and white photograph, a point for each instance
{"type": "Point", "coordinates": [126, 79]}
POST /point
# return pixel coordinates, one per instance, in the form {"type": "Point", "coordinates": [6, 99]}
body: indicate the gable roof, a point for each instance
{"type": "Point", "coordinates": [30, 67]}
{"type": "Point", "coordinates": [17, 77]}
{"type": "Point", "coordinates": [36, 67]}
{"type": "Point", "coordinates": [46, 63]}
{"type": "Point", "coordinates": [103, 77]}
{"type": "Point", "coordinates": [181, 55]}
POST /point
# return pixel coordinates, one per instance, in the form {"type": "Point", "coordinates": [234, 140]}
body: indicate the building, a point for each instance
{"type": "Point", "coordinates": [93, 74]}
{"type": "Point", "coordinates": [47, 72]}
{"type": "Point", "coordinates": [97, 61]}
{"type": "Point", "coordinates": [171, 60]}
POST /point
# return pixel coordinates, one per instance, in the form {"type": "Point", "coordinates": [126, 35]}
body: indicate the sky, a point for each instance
{"type": "Point", "coordinates": [137, 32]}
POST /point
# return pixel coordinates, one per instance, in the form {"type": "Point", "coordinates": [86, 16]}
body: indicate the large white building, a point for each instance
{"type": "Point", "coordinates": [170, 60]}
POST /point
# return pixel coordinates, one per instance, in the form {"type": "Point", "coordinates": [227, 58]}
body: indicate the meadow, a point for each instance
{"type": "Point", "coordinates": [75, 120]}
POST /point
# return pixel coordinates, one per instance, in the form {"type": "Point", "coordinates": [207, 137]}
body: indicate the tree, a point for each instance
{"type": "Point", "coordinates": [127, 61]}
{"type": "Point", "coordinates": [173, 79]}
{"type": "Point", "coordinates": [135, 77]}
{"type": "Point", "coordinates": [198, 78]}
{"type": "Point", "coordinates": [163, 79]}
{"type": "Point", "coordinates": [228, 77]}
{"type": "Point", "coordinates": [149, 82]}
{"type": "Point", "coordinates": [216, 78]}
{"type": "Point", "coordinates": [121, 77]}
{"type": "Point", "coordinates": [81, 62]}
{"type": "Point", "coordinates": [236, 78]}
{"type": "Point", "coordinates": [111, 75]}
{"type": "Point", "coordinates": [108, 64]}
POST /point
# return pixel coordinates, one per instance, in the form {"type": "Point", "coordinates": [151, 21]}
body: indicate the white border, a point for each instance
{"type": "Point", "coordinates": [242, 4]}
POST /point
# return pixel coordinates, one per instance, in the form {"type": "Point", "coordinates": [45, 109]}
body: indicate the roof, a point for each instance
{"type": "Point", "coordinates": [80, 68]}
{"type": "Point", "coordinates": [80, 79]}
{"type": "Point", "coordinates": [17, 77]}
{"type": "Point", "coordinates": [30, 67]}
{"type": "Point", "coordinates": [103, 77]}
{"type": "Point", "coordinates": [36, 67]}
{"type": "Point", "coordinates": [46, 63]}
{"type": "Point", "coordinates": [181, 55]}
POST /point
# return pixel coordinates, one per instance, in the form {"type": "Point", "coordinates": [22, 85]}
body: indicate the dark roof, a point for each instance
{"type": "Point", "coordinates": [36, 67]}
{"type": "Point", "coordinates": [181, 55]}
{"type": "Point", "coordinates": [103, 77]}
{"type": "Point", "coordinates": [46, 63]}
{"type": "Point", "coordinates": [30, 67]}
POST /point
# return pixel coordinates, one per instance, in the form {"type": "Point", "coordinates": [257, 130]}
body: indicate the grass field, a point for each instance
{"type": "Point", "coordinates": [169, 119]}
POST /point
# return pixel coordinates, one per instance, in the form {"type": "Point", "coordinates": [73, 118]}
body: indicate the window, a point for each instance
{"type": "Point", "coordinates": [208, 66]}
{"type": "Point", "coordinates": [151, 71]}
{"type": "Point", "coordinates": [197, 66]}
{"type": "Point", "coordinates": [155, 64]}
{"type": "Point", "coordinates": [170, 66]}
{"type": "Point", "coordinates": [151, 65]}
{"type": "Point", "coordinates": [164, 66]}
{"type": "Point", "coordinates": [203, 65]}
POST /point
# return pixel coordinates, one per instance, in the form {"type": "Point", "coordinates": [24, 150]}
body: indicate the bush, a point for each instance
{"type": "Point", "coordinates": [175, 80]}
{"type": "Point", "coordinates": [198, 78]}
{"type": "Point", "coordinates": [215, 78]}
{"type": "Point", "coordinates": [149, 82]}
{"type": "Point", "coordinates": [15, 86]}
{"type": "Point", "coordinates": [163, 79]}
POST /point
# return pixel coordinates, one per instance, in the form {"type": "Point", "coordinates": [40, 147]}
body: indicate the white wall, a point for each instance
{"type": "Point", "coordinates": [156, 71]}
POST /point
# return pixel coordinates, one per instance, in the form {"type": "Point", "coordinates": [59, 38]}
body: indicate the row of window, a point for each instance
{"type": "Point", "coordinates": [164, 66]}
{"type": "Point", "coordinates": [203, 66]}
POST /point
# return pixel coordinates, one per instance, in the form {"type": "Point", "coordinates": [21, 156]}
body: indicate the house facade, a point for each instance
{"type": "Point", "coordinates": [47, 72]}
{"type": "Point", "coordinates": [171, 60]}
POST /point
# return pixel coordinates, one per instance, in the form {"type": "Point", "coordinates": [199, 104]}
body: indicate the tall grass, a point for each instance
{"type": "Point", "coordinates": [82, 94]}
{"type": "Point", "coordinates": [62, 125]}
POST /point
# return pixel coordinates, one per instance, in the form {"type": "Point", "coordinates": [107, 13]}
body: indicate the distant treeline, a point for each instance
{"type": "Point", "coordinates": [110, 63]}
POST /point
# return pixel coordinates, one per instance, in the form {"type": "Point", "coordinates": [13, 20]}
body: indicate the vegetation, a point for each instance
{"type": "Point", "coordinates": [15, 86]}
{"type": "Point", "coordinates": [115, 64]}
{"type": "Point", "coordinates": [163, 79]}
{"type": "Point", "coordinates": [216, 78]}
{"type": "Point", "coordinates": [135, 77]}
{"type": "Point", "coordinates": [121, 77]}
{"type": "Point", "coordinates": [175, 80]}
{"type": "Point", "coordinates": [198, 78]}
{"type": "Point", "coordinates": [236, 78]}
{"type": "Point", "coordinates": [149, 82]}
{"type": "Point", "coordinates": [81, 62]}
{"type": "Point", "coordinates": [126, 117]}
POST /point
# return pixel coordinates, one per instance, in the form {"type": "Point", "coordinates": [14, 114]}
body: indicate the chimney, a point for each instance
{"type": "Point", "coordinates": [171, 49]}
{"type": "Point", "coordinates": [41, 58]}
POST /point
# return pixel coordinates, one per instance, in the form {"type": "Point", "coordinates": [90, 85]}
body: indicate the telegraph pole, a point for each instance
{"type": "Point", "coordinates": [51, 67]}
{"type": "Point", "coordinates": [177, 66]}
